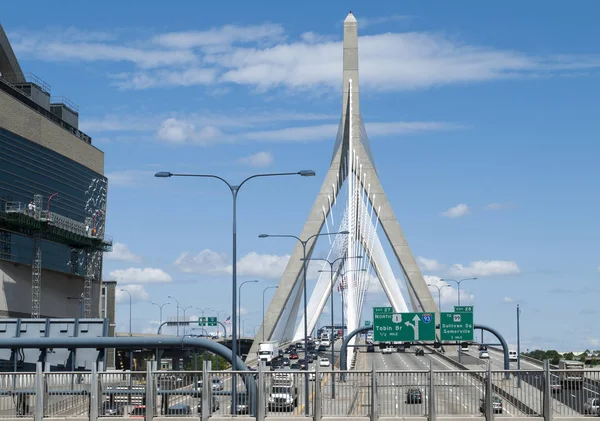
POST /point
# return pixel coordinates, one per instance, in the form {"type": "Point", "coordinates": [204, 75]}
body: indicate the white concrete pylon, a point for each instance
{"type": "Point", "coordinates": [286, 295]}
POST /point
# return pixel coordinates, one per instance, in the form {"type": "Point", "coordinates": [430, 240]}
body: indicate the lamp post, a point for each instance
{"type": "Point", "coordinates": [518, 345]}
{"type": "Point", "coordinates": [160, 306]}
{"type": "Point", "coordinates": [234, 193]}
{"type": "Point", "coordinates": [263, 308]}
{"type": "Point", "coordinates": [458, 283]}
{"type": "Point", "coordinates": [184, 318]}
{"type": "Point", "coordinates": [439, 293]}
{"type": "Point", "coordinates": [304, 243]}
{"type": "Point", "coordinates": [239, 309]}
{"type": "Point", "coordinates": [177, 309]}
{"type": "Point", "coordinates": [331, 264]}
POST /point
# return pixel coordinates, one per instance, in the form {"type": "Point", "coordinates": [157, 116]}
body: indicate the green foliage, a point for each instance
{"type": "Point", "coordinates": [541, 355]}
{"type": "Point", "coordinates": [222, 362]}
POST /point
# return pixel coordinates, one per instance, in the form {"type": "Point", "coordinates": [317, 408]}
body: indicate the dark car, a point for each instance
{"type": "Point", "coordinates": [293, 355]}
{"type": "Point", "coordinates": [310, 358]}
{"type": "Point", "coordinates": [112, 409]}
{"type": "Point", "coordinates": [295, 366]}
{"type": "Point", "coordinates": [277, 363]}
{"type": "Point", "coordinates": [280, 353]}
{"type": "Point", "coordinates": [482, 348]}
{"type": "Point", "coordinates": [322, 348]}
{"type": "Point", "coordinates": [414, 396]}
{"type": "Point", "coordinates": [302, 363]}
{"type": "Point", "coordinates": [215, 405]}
{"type": "Point", "coordinates": [419, 351]}
{"type": "Point", "coordinates": [179, 409]}
{"type": "Point", "coordinates": [285, 362]}
{"type": "Point", "coordinates": [370, 348]}
{"type": "Point", "coordinates": [401, 348]}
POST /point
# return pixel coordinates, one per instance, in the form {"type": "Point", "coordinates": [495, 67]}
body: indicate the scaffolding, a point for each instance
{"type": "Point", "coordinates": [41, 224]}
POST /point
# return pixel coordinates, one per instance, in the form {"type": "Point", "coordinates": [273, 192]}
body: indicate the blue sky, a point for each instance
{"type": "Point", "coordinates": [489, 110]}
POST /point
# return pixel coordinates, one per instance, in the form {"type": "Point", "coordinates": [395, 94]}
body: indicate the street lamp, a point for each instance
{"type": "Point", "coordinates": [304, 243]}
{"type": "Point", "coordinates": [184, 318]}
{"type": "Point", "coordinates": [458, 283]}
{"type": "Point", "coordinates": [177, 309]}
{"type": "Point", "coordinates": [234, 193]}
{"type": "Point", "coordinates": [161, 309]}
{"type": "Point", "coordinates": [124, 290]}
{"type": "Point", "coordinates": [265, 290]}
{"type": "Point", "coordinates": [439, 293]}
{"type": "Point", "coordinates": [332, 328]}
{"type": "Point", "coordinates": [240, 308]}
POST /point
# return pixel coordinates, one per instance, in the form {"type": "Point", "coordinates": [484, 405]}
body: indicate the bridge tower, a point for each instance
{"type": "Point", "coordinates": [352, 143]}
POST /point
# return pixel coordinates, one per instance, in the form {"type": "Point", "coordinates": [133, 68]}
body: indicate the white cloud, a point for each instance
{"type": "Point", "coordinates": [140, 276]}
{"type": "Point", "coordinates": [499, 206]}
{"type": "Point", "coordinates": [457, 211]}
{"type": "Point", "coordinates": [447, 292]}
{"type": "Point", "coordinates": [138, 293]}
{"type": "Point", "coordinates": [594, 341]}
{"type": "Point", "coordinates": [121, 253]}
{"type": "Point", "coordinates": [486, 268]}
{"type": "Point", "coordinates": [223, 36]}
{"type": "Point", "coordinates": [129, 178]}
{"type": "Point", "coordinates": [430, 265]}
{"type": "Point", "coordinates": [258, 160]}
{"type": "Point", "coordinates": [259, 56]}
{"type": "Point", "coordinates": [265, 266]}
{"type": "Point", "coordinates": [509, 300]}
{"type": "Point", "coordinates": [177, 131]}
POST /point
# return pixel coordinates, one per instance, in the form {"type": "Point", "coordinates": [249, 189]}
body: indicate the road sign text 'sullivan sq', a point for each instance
{"type": "Point", "coordinates": [456, 326]}
{"type": "Point", "coordinates": [402, 327]}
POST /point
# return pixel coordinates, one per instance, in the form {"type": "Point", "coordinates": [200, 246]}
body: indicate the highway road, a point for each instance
{"type": "Point", "coordinates": [456, 393]}
{"type": "Point", "coordinates": [567, 402]}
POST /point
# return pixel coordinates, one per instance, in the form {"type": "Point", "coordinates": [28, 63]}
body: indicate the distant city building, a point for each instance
{"type": "Point", "coordinates": [52, 201]}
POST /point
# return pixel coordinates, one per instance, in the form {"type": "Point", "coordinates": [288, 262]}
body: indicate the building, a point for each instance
{"type": "Point", "coordinates": [52, 201]}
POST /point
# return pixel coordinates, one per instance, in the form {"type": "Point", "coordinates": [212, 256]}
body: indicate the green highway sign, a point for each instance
{"type": "Point", "coordinates": [402, 327]}
{"type": "Point", "coordinates": [463, 309]}
{"type": "Point", "coordinates": [207, 321]}
{"type": "Point", "coordinates": [456, 326]}
{"type": "Point", "coordinates": [367, 323]}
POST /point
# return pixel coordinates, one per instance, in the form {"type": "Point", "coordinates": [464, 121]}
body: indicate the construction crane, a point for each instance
{"type": "Point", "coordinates": [42, 224]}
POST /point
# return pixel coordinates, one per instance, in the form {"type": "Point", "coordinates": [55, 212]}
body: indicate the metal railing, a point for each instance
{"type": "Point", "coordinates": [280, 394]}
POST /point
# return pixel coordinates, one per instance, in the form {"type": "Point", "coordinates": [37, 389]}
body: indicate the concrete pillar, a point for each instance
{"type": "Point", "coordinates": [107, 311]}
{"type": "Point", "coordinates": [432, 414]}
{"type": "Point", "coordinates": [547, 392]}
{"type": "Point", "coordinates": [489, 395]}
{"type": "Point", "coordinates": [94, 395]}
{"type": "Point", "coordinates": [317, 402]}
{"type": "Point", "coordinates": [261, 404]}
{"type": "Point", "coordinates": [374, 401]}
{"type": "Point", "coordinates": [206, 392]}
{"type": "Point", "coordinates": [150, 393]}
{"type": "Point", "coordinates": [39, 392]}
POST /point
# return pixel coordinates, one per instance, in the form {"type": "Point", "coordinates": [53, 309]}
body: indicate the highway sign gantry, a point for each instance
{"type": "Point", "coordinates": [207, 321]}
{"type": "Point", "coordinates": [367, 323]}
{"type": "Point", "coordinates": [402, 327]}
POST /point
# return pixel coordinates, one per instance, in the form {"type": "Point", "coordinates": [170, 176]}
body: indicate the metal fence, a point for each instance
{"type": "Point", "coordinates": [282, 394]}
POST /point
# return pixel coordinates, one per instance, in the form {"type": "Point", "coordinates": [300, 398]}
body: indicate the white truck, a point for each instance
{"type": "Point", "coordinates": [268, 351]}
{"type": "Point", "coordinates": [284, 392]}
{"type": "Point", "coordinates": [571, 374]}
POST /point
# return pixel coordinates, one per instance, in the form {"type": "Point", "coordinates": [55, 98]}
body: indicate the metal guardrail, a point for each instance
{"type": "Point", "coordinates": [204, 394]}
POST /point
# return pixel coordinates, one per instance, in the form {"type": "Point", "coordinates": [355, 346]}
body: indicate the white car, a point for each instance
{"type": "Point", "coordinates": [324, 362]}
{"type": "Point", "coordinates": [484, 354]}
{"type": "Point", "coordinates": [388, 350]}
